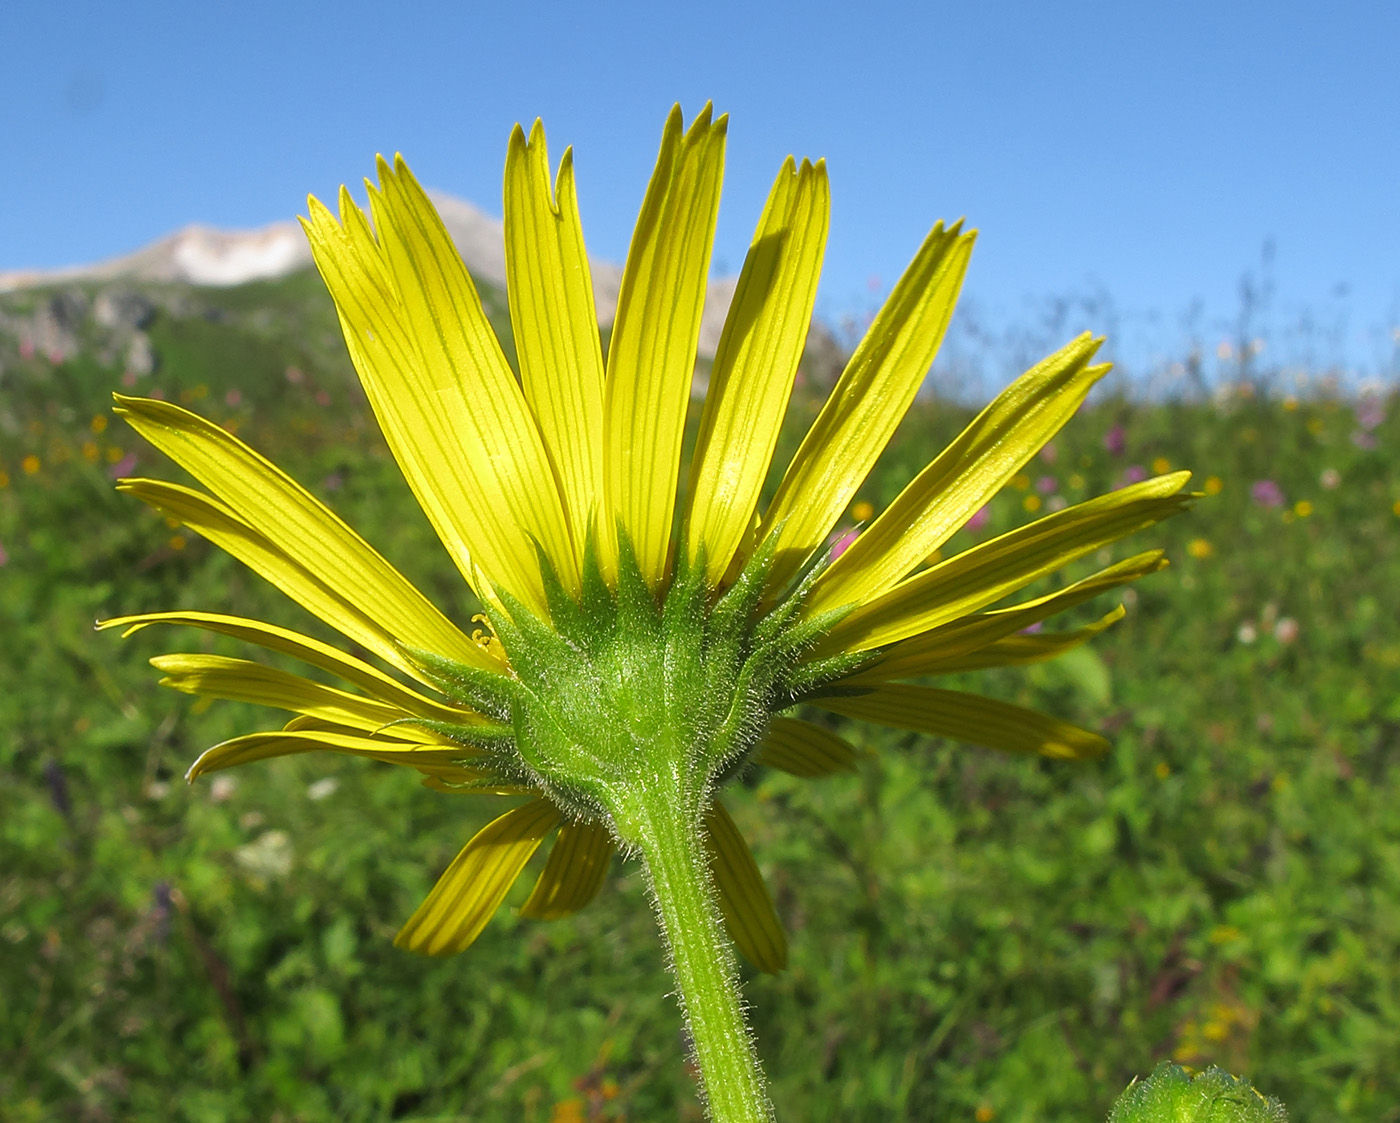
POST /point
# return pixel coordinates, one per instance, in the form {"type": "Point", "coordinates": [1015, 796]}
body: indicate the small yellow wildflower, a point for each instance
{"type": "Point", "coordinates": [4, 479]}
{"type": "Point", "coordinates": [1200, 548]}
{"type": "Point", "coordinates": [984, 1113]}
{"type": "Point", "coordinates": [1163, 770]}
{"type": "Point", "coordinates": [1214, 485]}
{"type": "Point", "coordinates": [862, 511]}
{"type": "Point", "coordinates": [568, 1111]}
{"type": "Point", "coordinates": [1076, 482]}
{"type": "Point", "coordinates": [177, 541]}
{"type": "Point", "coordinates": [98, 424]}
{"type": "Point", "coordinates": [90, 451]}
{"type": "Point", "coordinates": [1020, 481]}
{"type": "Point", "coordinates": [30, 464]}
{"type": "Point", "coordinates": [1161, 465]}
{"type": "Point", "coordinates": [1031, 503]}
{"type": "Point", "coordinates": [1290, 403]}
{"type": "Point", "coordinates": [1303, 508]}
{"type": "Point", "coordinates": [114, 455]}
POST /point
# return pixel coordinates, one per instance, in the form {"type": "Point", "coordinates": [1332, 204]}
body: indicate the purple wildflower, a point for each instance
{"type": "Point", "coordinates": [843, 543]}
{"type": "Point", "coordinates": [1266, 493]}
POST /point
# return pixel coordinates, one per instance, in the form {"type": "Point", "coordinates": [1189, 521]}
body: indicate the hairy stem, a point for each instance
{"type": "Point", "coordinates": [669, 832]}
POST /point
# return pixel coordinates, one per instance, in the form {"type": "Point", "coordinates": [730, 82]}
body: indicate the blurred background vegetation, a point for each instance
{"type": "Point", "coordinates": [972, 937]}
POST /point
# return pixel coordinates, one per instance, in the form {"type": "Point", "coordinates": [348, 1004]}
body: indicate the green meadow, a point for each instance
{"type": "Point", "coordinates": [973, 937]}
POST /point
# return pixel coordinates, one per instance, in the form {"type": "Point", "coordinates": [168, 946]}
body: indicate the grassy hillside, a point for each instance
{"type": "Point", "coordinates": [973, 937]}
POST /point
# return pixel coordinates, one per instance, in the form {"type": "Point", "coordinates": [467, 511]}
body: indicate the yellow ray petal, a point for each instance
{"type": "Point", "coordinates": [442, 391]}
{"type": "Point", "coordinates": [481, 400]}
{"type": "Point", "coordinates": [410, 734]}
{"type": "Point", "coordinates": [651, 355]}
{"type": "Point", "coordinates": [556, 323]}
{"type": "Point", "coordinates": [309, 650]}
{"type": "Point", "coordinates": [477, 881]}
{"type": "Point", "coordinates": [804, 749]}
{"type": "Point", "coordinates": [743, 897]}
{"type": "Point", "coordinates": [241, 680]}
{"type": "Point", "coordinates": [868, 401]}
{"type": "Point", "coordinates": [578, 863]}
{"type": "Point", "coordinates": [947, 493]}
{"type": "Point", "coordinates": [313, 584]}
{"type": "Point", "coordinates": [963, 638]}
{"type": "Point", "coordinates": [275, 743]}
{"type": "Point", "coordinates": [992, 570]}
{"type": "Point", "coordinates": [968, 717]}
{"type": "Point", "coordinates": [1021, 649]}
{"type": "Point", "coordinates": [755, 364]}
{"type": "Point", "coordinates": [300, 525]}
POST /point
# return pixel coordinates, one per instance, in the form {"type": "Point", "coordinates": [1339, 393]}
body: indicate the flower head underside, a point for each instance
{"type": "Point", "coordinates": [636, 642]}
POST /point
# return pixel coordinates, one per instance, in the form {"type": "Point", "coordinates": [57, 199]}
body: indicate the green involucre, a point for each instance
{"type": "Point", "coordinates": [625, 690]}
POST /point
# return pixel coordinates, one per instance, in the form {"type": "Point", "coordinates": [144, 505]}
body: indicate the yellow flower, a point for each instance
{"type": "Point", "coordinates": [1200, 548]}
{"type": "Point", "coordinates": [30, 464]}
{"type": "Point", "coordinates": [1161, 465]}
{"type": "Point", "coordinates": [862, 511]}
{"type": "Point", "coordinates": [555, 496]}
{"type": "Point", "coordinates": [1214, 485]}
{"type": "Point", "coordinates": [1303, 508]}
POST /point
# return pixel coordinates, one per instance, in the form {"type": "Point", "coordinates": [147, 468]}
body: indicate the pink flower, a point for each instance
{"type": "Point", "coordinates": [843, 543]}
{"type": "Point", "coordinates": [1050, 454]}
{"type": "Point", "coordinates": [1266, 493]}
{"type": "Point", "coordinates": [1116, 440]}
{"type": "Point", "coordinates": [123, 467]}
{"type": "Point", "coordinates": [1370, 412]}
{"type": "Point", "coordinates": [980, 518]}
{"type": "Point", "coordinates": [26, 348]}
{"type": "Point", "coordinates": [4, 557]}
{"type": "Point", "coordinates": [1134, 473]}
{"type": "Point", "coordinates": [233, 397]}
{"type": "Point", "coordinates": [1046, 485]}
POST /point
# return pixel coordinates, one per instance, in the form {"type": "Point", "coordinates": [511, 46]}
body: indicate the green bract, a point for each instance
{"type": "Point", "coordinates": [1173, 1095]}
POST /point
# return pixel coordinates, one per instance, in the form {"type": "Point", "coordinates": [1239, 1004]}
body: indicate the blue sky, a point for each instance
{"type": "Point", "coordinates": [1145, 151]}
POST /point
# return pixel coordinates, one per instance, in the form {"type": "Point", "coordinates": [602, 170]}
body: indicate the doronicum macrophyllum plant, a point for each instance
{"type": "Point", "coordinates": [638, 653]}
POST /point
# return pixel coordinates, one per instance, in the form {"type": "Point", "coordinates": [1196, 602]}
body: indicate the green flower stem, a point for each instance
{"type": "Point", "coordinates": [668, 830]}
